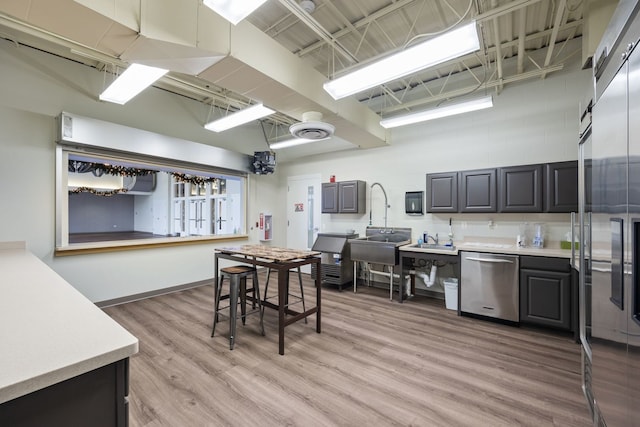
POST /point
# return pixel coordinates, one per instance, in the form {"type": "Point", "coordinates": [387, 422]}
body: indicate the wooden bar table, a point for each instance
{"type": "Point", "coordinates": [282, 260]}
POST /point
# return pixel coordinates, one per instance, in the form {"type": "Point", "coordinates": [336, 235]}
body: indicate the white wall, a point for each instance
{"type": "Point", "coordinates": [536, 122]}
{"type": "Point", "coordinates": [530, 123]}
{"type": "Point", "coordinates": [35, 88]}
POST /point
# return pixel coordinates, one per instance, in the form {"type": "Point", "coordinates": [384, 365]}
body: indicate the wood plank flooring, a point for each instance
{"type": "Point", "coordinates": [376, 363]}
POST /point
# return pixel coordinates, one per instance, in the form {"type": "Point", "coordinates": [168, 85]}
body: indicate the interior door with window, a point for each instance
{"type": "Point", "coordinates": [303, 212]}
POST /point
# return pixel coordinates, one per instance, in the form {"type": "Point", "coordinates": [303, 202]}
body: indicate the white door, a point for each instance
{"type": "Point", "coordinates": [303, 212]}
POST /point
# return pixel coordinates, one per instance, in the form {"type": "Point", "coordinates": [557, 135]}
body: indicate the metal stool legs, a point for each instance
{"type": "Point", "coordinates": [266, 288]}
{"type": "Point", "coordinates": [237, 288]}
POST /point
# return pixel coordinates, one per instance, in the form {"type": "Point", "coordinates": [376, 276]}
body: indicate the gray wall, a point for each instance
{"type": "Point", "coordinates": [89, 213]}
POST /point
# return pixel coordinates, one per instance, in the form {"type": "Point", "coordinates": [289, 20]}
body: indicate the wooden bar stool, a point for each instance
{"type": "Point", "coordinates": [266, 288]}
{"type": "Point", "coordinates": [237, 276]}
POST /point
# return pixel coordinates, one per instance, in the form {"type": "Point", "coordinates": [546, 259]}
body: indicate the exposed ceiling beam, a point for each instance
{"type": "Point", "coordinates": [504, 9]}
{"type": "Point", "coordinates": [492, 51]}
{"type": "Point", "coordinates": [464, 91]}
{"type": "Point", "coordinates": [522, 18]}
{"type": "Point", "coordinates": [363, 22]}
{"type": "Point", "coordinates": [497, 41]}
{"type": "Point", "coordinates": [309, 21]}
{"type": "Point", "coordinates": [559, 20]}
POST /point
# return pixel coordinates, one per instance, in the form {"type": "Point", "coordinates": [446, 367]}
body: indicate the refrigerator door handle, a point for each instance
{"type": "Point", "coordinates": [617, 262]}
{"type": "Point", "coordinates": [573, 239]}
{"type": "Point", "coordinates": [635, 286]}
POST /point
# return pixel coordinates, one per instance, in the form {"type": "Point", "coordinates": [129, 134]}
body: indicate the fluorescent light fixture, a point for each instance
{"type": "Point", "coordinates": [292, 142]}
{"type": "Point", "coordinates": [434, 51]}
{"type": "Point", "coordinates": [238, 118]}
{"type": "Point", "coordinates": [131, 82]}
{"type": "Point", "coordinates": [233, 11]}
{"type": "Point", "coordinates": [436, 113]}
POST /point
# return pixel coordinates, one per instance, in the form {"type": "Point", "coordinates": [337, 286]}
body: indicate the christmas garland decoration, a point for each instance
{"type": "Point", "coordinates": [98, 192]}
{"type": "Point", "coordinates": [98, 169]}
{"type": "Point", "coordinates": [192, 179]}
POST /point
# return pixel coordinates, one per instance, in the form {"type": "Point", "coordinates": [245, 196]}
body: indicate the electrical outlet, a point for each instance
{"type": "Point", "coordinates": [492, 224]}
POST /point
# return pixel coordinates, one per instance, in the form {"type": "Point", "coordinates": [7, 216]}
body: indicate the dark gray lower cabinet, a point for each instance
{"type": "Point", "coordinates": [546, 292]}
{"type": "Point", "coordinates": [97, 398]}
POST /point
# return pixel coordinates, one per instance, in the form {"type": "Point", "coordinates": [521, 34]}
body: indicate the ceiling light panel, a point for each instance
{"type": "Point", "coordinates": [450, 45]}
{"type": "Point", "coordinates": [233, 11]}
{"type": "Point", "coordinates": [293, 142]}
{"type": "Point", "coordinates": [238, 118]}
{"type": "Point", "coordinates": [131, 82]}
{"type": "Point", "coordinates": [436, 113]}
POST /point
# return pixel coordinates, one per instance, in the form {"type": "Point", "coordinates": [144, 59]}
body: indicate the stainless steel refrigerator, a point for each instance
{"type": "Point", "coordinates": [610, 227]}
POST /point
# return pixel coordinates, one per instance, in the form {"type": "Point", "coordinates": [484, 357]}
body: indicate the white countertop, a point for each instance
{"type": "Point", "coordinates": [49, 332]}
{"type": "Point", "coordinates": [499, 247]}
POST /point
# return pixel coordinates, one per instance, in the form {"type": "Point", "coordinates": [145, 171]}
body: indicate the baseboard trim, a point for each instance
{"type": "Point", "coordinates": [154, 293]}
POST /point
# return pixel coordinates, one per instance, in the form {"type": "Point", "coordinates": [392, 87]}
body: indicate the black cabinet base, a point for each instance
{"type": "Point", "coordinates": [96, 398]}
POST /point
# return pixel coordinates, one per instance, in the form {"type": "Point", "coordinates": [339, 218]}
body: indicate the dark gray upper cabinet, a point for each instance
{"type": "Point", "coordinates": [561, 187]}
{"type": "Point", "coordinates": [351, 196]}
{"type": "Point", "coordinates": [442, 192]}
{"type": "Point", "coordinates": [478, 191]}
{"type": "Point", "coordinates": [344, 197]}
{"type": "Point", "coordinates": [329, 197]}
{"type": "Point", "coordinates": [521, 188]}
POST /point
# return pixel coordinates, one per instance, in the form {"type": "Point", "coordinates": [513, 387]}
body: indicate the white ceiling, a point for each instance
{"type": "Point", "coordinates": [281, 55]}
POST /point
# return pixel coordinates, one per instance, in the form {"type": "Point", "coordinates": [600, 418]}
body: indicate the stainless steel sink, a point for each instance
{"type": "Point", "coordinates": [434, 246]}
{"type": "Point", "coordinates": [380, 245]}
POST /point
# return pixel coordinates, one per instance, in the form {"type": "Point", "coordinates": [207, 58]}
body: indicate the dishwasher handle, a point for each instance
{"type": "Point", "coordinates": [493, 260]}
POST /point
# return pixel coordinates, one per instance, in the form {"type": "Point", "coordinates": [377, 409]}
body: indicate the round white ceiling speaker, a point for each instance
{"type": "Point", "coordinates": [308, 6]}
{"type": "Point", "coordinates": [312, 127]}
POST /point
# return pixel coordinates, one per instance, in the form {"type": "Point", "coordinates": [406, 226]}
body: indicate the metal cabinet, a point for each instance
{"type": "Point", "coordinates": [520, 188]}
{"type": "Point", "coordinates": [546, 292]}
{"type": "Point", "coordinates": [442, 192]}
{"type": "Point", "coordinates": [478, 191]}
{"type": "Point", "coordinates": [344, 197]}
{"type": "Point", "coordinates": [337, 266]}
{"type": "Point", "coordinates": [561, 187]}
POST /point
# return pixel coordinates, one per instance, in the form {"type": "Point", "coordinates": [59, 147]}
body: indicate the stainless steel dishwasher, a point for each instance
{"type": "Point", "coordinates": [489, 285]}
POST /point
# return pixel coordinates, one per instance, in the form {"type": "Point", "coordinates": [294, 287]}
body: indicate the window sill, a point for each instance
{"type": "Point", "coordinates": [128, 245]}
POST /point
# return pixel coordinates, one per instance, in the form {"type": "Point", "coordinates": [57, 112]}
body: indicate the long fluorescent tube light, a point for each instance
{"type": "Point", "coordinates": [292, 142]}
{"type": "Point", "coordinates": [238, 118]}
{"type": "Point", "coordinates": [434, 51]}
{"type": "Point", "coordinates": [132, 81]}
{"type": "Point", "coordinates": [436, 113]}
{"type": "Point", "coordinates": [233, 11]}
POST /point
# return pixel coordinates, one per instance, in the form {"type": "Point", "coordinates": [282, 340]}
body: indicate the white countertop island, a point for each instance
{"type": "Point", "coordinates": [49, 332]}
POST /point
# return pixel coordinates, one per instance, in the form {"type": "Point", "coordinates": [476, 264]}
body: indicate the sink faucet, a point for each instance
{"type": "Point", "coordinates": [386, 205]}
{"type": "Point", "coordinates": [435, 239]}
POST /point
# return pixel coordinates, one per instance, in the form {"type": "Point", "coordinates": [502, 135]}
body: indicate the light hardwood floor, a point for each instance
{"type": "Point", "coordinates": [376, 363]}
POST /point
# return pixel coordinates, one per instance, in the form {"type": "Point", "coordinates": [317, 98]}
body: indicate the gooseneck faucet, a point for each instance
{"type": "Point", "coordinates": [386, 204]}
